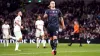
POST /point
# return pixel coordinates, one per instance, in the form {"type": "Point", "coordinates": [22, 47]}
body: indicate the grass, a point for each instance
{"type": "Point", "coordinates": [62, 50]}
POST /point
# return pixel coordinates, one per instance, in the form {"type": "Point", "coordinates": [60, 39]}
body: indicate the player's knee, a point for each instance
{"type": "Point", "coordinates": [37, 38]}
{"type": "Point", "coordinates": [20, 40]}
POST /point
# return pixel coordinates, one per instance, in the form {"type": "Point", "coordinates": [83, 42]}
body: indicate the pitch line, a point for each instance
{"type": "Point", "coordinates": [44, 53]}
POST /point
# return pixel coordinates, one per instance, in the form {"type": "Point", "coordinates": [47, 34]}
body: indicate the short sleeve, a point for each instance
{"type": "Point", "coordinates": [2, 27]}
{"type": "Point", "coordinates": [8, 26]}
{"type": "Point", "coordinates": [16, 19]}
{"type": "Point", "coordinates": [43, 22]}
{"type": "Point", "coordinates": [47, 12]}
{"type": "Point", "coordinates": [60, 13]}
{"type": "Point", "coordinates": [36, 23]}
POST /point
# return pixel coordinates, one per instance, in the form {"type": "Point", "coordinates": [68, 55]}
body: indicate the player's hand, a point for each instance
{"type": "Point", "coordinates": [72, 33]}
{"type": "Point", "coordinates": [63, 27]}
{"type": "Point", "coordinates": [39, 29]}
{"type": "Point", "coordinates": [21, 27]}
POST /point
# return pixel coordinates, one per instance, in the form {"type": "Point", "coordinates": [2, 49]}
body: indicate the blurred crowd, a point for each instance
{"type": "Point", "coordinates": [88, 16]}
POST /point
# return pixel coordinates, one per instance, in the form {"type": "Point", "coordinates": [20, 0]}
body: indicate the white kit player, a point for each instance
{"type": "Point", "coordinates": [39, 31]}
{"type": "Point", "coordinates": [17, 30]}
{"type": "Point", "coordinates": [6, 33]}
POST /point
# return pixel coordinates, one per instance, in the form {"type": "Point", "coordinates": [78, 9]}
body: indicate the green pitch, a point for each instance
{"type": "Point", "coordinates": [62, 50]}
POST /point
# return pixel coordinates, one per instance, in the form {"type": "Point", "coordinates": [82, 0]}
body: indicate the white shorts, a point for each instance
{"type": "Point", "coordinates": [6, 35]}
{"type": "Point", "coordinates": [18, 35]}
{"type": "Point", "coordinates": [39, 33]}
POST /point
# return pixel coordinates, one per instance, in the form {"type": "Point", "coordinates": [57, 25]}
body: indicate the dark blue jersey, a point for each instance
{"type": "Point", "coordinates": [53, 17]}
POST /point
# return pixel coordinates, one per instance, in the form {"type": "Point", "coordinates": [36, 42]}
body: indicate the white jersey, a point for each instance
{"type": "Point", "coordinates": [39, 24]}
{"type": "Point", "coordinates": [17, 27]}
{"type": "Point", "coordinates": [5, 28]}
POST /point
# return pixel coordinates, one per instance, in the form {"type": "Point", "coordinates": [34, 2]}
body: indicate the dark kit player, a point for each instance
{"type": "Point", "coordinates": [54, 15]}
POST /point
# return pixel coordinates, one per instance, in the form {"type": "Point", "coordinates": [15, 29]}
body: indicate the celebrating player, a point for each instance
{"type": "Point", "coordinates": [54, 15]}
{"type": "Point", "coordinates": [39, 31]}
{"type": "Point", "coordinates": [6, 33]}
{"type": "Point", "coordinates": [17, 30]}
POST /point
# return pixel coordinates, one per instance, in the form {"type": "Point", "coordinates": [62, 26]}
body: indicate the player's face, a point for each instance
{"type": "Point", "coordinates": [39, 17]}
{"type": "Point", "coordinates": [5, 22]}
{"type": "Point", "coordinates": [20, 13]}
{"type": "Point", "coordinates": [75, 22]}
{"type": "Point", "coordinates": [52, 4]}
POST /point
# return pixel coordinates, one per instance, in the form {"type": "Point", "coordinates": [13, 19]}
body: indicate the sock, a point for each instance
{"type": "Point", "coordinates": [80, 42]}
{"type": "Point", "coordinates": [44, 42]}
{"type": "Point", "coordinates": [7, 41]}
{"type": "Point", "coordinates": [4, 42]}
{"type": "Point", "coordinates": [52, 44]}
{"type": "Point", "coordinates": [38, 41]}
{"type": "Point", "coordinates": [55, 44]}
{"type": "Point", "coordinates": [17, 45]}
{"type": "Point", "coordinates": [71, 42]}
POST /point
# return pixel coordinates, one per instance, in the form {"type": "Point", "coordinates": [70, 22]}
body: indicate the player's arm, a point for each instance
{"type": "Point", "coordinates": [2, 29]}
{"type": "Point", "coordinates": [36, 26]}
{"type": "Point", "coordinates": [62, 22]}
{"type": "Point", "coordinates": [45, 14]}
{"type": "Point", "coordinates": [61, 19]}
{"type": "Point", "coordinates": [17, 22]}
{"type": "Point", "coordinates": [9, 30]}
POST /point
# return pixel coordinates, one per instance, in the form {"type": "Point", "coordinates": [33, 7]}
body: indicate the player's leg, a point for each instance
{"type": "Point", "coordinates": [43, 39]}
{"type": "Point", "coordinates": [55, 33]}
{"type": "Point", "coordinates": [37, 38]}
{"type": "Point", "coordinates": [38, 42]}
{"type": "Point", "coordinates": [7, 41]}
{"type": "Point", "coordinates": [18, 40]}
{"type": "Point", "coordinates": [51, 39]}
{"type": "Point", "coordinates": [4, 40]}
{"type": "Point", "coordinates": [71, 40]}
{"type": "Point", "coordinates": [79, 39]}
{"type": "Point", "coordinates": [51, 43]}
{"type": "Point", "coordinates": [17, 44]}
{"type": "Point", "coordinates": [55, 44]}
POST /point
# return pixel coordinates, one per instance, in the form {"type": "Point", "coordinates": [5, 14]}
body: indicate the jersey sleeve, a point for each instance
{"type": "Point", "coordinates": [36, 23]}
{"type": "Point", "coordinates": [2, 26]}
{"type": "Point", "coordinates": [60, 13]}
{"type": "Point", "coordinates": [43, 22]}
{"type": "Point", "coordinates": [8, 26]}
{"type": "Point", "coordinates": [17, 19]}
{"type": "Point", "coordinates": [47, 12]}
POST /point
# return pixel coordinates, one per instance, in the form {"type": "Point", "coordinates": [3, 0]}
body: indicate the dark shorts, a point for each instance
{"type": "Point", "coordinates": [52, 31]}
{"type": "Point", "coordinates": [76, 35]}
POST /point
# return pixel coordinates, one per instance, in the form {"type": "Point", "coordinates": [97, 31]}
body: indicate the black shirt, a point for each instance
{"type": "Point", "coordinates": [53, 17]}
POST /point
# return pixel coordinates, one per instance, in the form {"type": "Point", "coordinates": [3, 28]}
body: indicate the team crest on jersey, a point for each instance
{"type": "Point", "coordinates": [53, 11]}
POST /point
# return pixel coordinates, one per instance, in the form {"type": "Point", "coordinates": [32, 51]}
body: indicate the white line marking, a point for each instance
{"type": "Point", "coordinates": [44, 53]}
